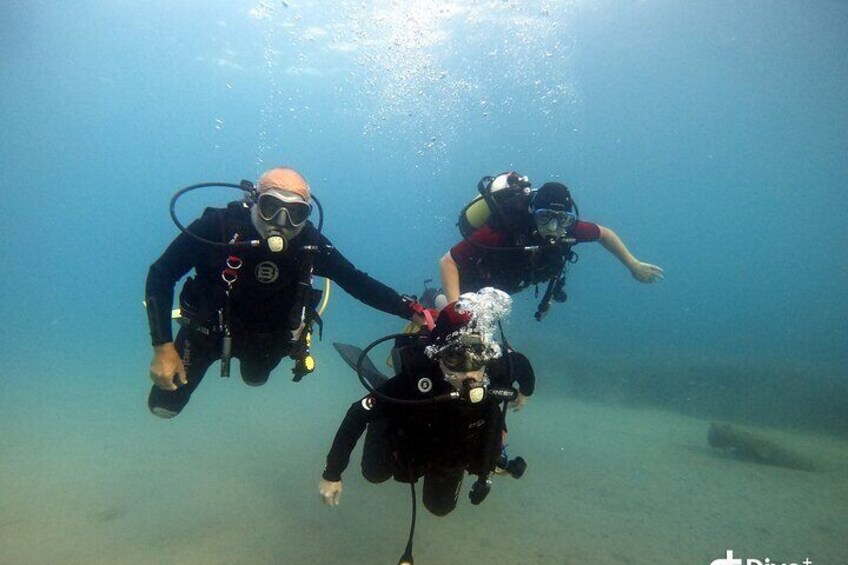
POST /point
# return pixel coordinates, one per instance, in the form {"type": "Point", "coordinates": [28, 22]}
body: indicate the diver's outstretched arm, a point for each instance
{"type": "Point", "coordinates": [642, 272]}
{"type": "Point", "coordinates": [450, 277]}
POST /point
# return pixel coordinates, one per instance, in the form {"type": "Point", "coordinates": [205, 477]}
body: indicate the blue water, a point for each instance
{"type": "Point", "coordinates": [709, 135]}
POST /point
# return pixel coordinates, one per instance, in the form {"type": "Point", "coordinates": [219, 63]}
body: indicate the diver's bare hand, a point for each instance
{"type": "Point", "coordinates": [331, 492]}
{"type": "Point", "coordinates": [519, 403]}
{"type": "Point", "coordinates": [646, 273]}
{"type": "Point", "coordinates": [165, 366]}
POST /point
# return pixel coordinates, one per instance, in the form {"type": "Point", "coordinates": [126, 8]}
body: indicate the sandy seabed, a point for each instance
{"type": "Point", "coordinates": [88, 476]}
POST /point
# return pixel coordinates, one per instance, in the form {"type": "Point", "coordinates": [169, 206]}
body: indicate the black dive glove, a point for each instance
{"type": "Point", "coordinates": [479, 490]}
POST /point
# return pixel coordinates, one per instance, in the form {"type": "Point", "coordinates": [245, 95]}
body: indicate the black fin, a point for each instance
{"type": "Point", "coordinates": [351, 354]}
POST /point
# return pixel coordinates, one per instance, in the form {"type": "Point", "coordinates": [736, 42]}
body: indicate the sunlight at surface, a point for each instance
{"type": "Point", "coordinates": [417, 70]}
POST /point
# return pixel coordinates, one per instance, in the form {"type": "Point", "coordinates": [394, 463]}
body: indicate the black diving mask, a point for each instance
{"type": "Point", "coordinates": [545, 216]}
{"type": "Point", "coordinates": [462, 358]}
{"type": "Point", "coordinates": [466, 353]}
{"type": "Point", "coordinates": [283, 209]}
{"type": "Point", "coordinates": [553, 223]}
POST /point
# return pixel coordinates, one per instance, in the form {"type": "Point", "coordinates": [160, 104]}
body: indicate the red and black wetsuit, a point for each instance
{"type": "Point", "coordinates": [512, 270]}
{"type": "Point", "coordinates": [261, 298]}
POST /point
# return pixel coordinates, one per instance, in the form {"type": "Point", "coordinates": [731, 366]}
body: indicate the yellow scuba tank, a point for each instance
{"type": "Point", "coordinates": [477, 212]}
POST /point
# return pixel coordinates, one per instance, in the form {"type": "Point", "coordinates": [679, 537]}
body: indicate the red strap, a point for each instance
{"type": "Point", "coordinates": [428, 318]}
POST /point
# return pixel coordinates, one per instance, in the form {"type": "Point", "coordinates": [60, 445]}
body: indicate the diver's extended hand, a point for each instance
{"type": "Point", "coordinates": [165, 366]}
{"type": "Point", "coordinates": [331, 492]}
{"type": "Point", "coordinates": [519, 403]}
{"type": "Point", "coordinates": [645, 272]}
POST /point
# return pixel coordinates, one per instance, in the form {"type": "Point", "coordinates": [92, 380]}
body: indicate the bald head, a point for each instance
{"type": "Point", "coordinates": [284, 178]}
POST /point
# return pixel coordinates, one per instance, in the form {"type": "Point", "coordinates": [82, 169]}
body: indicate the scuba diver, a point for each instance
{"type": "Point", "coordinates": [515, 238]}
{"type": "Point", "coordinates": [251, 295]}
{"type": "Point", "coordinates": [441, 416]}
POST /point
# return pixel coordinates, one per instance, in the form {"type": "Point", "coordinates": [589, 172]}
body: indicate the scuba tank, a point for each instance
{"type": "Point", "coordinates": [496, 196]}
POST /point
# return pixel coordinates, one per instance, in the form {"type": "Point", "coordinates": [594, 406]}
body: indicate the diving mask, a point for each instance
{"type": "Point", "coordinates": [553, 223]}
{"type": "Point", "coordinates": [283, 209]}
{"type": "Point", "coordinates": [466, 353]}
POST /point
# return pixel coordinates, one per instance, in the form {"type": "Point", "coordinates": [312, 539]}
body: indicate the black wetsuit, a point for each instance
{"type": "Point", "coordinates": [261, 298]}
{"type": "Point", "coordinates": [439, 441]}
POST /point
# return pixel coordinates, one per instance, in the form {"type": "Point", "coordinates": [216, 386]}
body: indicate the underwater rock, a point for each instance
{"type": "Point", "coordinates": [752, 446]}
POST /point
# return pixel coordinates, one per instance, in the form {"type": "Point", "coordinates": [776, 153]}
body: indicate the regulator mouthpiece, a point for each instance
{"type": "Point", "coordinates": [476, 394]}
{"type": "Point", "coordinates": [276, 243]}
{"type": "Point", "coordinates": [476, 390]}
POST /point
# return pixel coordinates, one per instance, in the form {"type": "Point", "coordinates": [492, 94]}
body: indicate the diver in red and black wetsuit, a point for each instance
{"type": "Point", "coordinates": [527, 240]}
